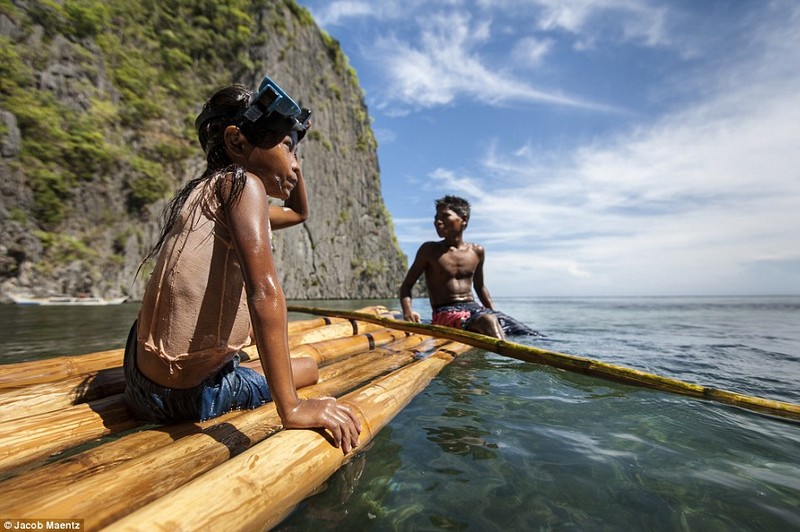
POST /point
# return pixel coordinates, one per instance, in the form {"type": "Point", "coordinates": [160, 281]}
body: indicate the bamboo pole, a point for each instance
{"type": "Point", "coordinates": [576, 364]}
{"type": "Point", "coordinates": [51, 396]}
{"type": "Point", "coordinates": [27, 440]}
{"type": "Point", "coordinates": [71, 469]}
{"type": "Point", "coordinates": [381, 358]}
{"type": "Point", "coordinates": [269, 479]}
{"type": "Point", "coordinates": [150, 475]}
{"type": "Point", "coordinates": [22, 374]}
{"type": "Point", "coordinates": [296, 327]}
{"type": "Point", "coordinates": [325, 352]}
{"type": "Point", "coordinates": [311, 331]}
{"type": "Point", "coordinates": [74, 468]}
{"type": "Point", "coordinates": [329, 332]}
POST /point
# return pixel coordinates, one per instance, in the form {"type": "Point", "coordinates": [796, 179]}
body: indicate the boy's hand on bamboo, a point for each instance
{"type": "Point", "coordinates": [337, 418]}
{"type": "Point", "coordinates": [412, 316]}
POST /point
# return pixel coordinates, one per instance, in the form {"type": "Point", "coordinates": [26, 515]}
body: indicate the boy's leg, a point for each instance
{"type": "Point", "coordinates": [305, 371]}
{"type": "Point", "coordinates": [487, 324]}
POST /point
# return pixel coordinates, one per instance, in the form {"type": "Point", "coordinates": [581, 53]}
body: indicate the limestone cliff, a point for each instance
{"type": "Point", "coordinates": [97, 100]}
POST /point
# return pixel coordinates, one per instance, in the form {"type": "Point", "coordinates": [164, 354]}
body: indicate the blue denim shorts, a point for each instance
{"type": "Point", "coordinates": [232, 388]}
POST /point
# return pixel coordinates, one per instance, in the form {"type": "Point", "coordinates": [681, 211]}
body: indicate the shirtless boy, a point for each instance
{"type": "Point", "coordinates": [452, 268]}
{"type": "Point", "coordinates": [215, 286]}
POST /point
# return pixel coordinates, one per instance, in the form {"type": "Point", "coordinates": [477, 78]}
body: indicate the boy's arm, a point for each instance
{"type": "Point", "coordinates": [268, 315]}
{"type": "Point", "coordinates": [477, 280]}
{"type": "Point", "coordinates": [414, 273]}
{"type": "Point", "coordinates": [294, 210]}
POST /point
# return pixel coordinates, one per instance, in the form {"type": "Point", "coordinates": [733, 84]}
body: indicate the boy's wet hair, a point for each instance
{"type": "Point", "coordinates": [460, 206]}
{"type": "Point", "coordinates": [228, 104]}
{"type": "Point", "coordinates": [266, 113]}
{"type": "Point", "coordinates": [224, 108]}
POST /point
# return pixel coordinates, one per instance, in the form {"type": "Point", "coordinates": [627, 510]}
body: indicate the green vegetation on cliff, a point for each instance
{"type": "Point", "coordinates": [97, 104]}
{"type": "Point", "coordinates": [161, 57]}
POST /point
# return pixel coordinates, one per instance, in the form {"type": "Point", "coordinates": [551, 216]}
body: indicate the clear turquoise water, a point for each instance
{"type": "Point", "coordinates": [497, 444]}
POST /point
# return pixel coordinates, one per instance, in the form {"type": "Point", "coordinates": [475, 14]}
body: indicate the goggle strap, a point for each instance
{"type": "Point", "coordinates": [208, 115]}
{"type": "Point", "coordinates": [253, 113]}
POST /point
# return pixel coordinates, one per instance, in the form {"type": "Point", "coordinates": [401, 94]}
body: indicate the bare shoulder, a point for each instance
{"type": "Point", "coordinates": [226, 184]}
{"type": "Point", "coordinates": [477, 248]}
{"type": "Point", "coordinates": [427, 249]}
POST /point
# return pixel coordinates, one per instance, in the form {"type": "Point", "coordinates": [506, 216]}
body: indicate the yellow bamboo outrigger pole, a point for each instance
{"type": "Point", "coordinates": [572, 363]}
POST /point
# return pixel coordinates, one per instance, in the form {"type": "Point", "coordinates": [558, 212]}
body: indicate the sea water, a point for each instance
{"type": "Point", "coordinates": [498, 444]}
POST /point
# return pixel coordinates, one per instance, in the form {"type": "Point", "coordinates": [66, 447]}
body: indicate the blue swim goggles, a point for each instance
{"type": "Point", "coordinates": [270, 107]}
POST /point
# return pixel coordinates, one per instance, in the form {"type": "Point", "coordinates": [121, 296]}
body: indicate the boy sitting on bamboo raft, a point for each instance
{"type": "Point", "coordinates": [452, 267]}
{"type": "Point", "coordinates": [214, 283]}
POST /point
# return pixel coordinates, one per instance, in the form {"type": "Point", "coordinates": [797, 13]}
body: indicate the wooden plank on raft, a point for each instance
{"type": "Point", "coordinates": [135, 470]}
{"type": "Point", "coordinates": [27, 440]}
{"type": "Point", "coordinates": [148, 475]}
{"type": "Point", "coordinates": [324, 352]}
{"type": "Point", "coordinates": [129, 446]}
{"type": "Point", "coordinates": [329, 332]}
{"type": "Point", "coordinates": [22, 374]}
{"type": "Point", "coordinates": [65, 475]}
{"type": "Point", "coordinates": [272, 477]}
{"type": "Point", "coordinates": [35, 399]}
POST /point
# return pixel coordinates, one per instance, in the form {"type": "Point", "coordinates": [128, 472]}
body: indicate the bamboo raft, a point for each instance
{"type": "Point", "coordinates": [69, 449]}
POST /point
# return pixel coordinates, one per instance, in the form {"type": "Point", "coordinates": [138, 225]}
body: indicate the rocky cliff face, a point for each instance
{"type": "Point", "coordinates": [92, 142]}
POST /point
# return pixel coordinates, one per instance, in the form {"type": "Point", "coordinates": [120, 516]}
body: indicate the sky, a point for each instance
{"type": "Point", "coordinates": [607, 147]}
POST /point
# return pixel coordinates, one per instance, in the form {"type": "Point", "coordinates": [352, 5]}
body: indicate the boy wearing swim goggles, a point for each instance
{"type": "Point", "coordinates": [215, 284]}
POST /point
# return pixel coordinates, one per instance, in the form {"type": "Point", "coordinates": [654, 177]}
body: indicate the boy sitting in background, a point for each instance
{"type": "Point", "coordinates": [452, 268]}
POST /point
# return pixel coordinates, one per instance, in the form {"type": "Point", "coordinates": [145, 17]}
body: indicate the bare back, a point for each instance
{"type": "Point", "coordinates": [188, 328]}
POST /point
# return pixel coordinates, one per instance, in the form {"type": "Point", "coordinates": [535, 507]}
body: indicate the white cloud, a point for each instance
{"type": "Point", "coordinates": [384, 136]}
{"type": "Point", "coordinates": [623, 20]}
{"type": "Point", "coordinates": [437, 52]}
{"type": "Point", "coordinates": [530, 51]}
{"type": "Point", "coordinates": [446, 64]}
{"type": "Point", "coordinates": [336, 13]}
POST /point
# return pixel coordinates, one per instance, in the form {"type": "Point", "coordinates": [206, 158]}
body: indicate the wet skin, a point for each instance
{"type": "Point", "coordinates": [452, 269]}
{"type": "Point", "coordinates": [274, 171]}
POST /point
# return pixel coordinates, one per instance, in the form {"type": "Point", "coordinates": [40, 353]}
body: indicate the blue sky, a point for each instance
{"type": "Point", "coordinates": [608, 147]}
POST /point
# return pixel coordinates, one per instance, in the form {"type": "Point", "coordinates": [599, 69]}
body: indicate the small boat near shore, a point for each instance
{"type": "Point", "coordinates": [67, 300]}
